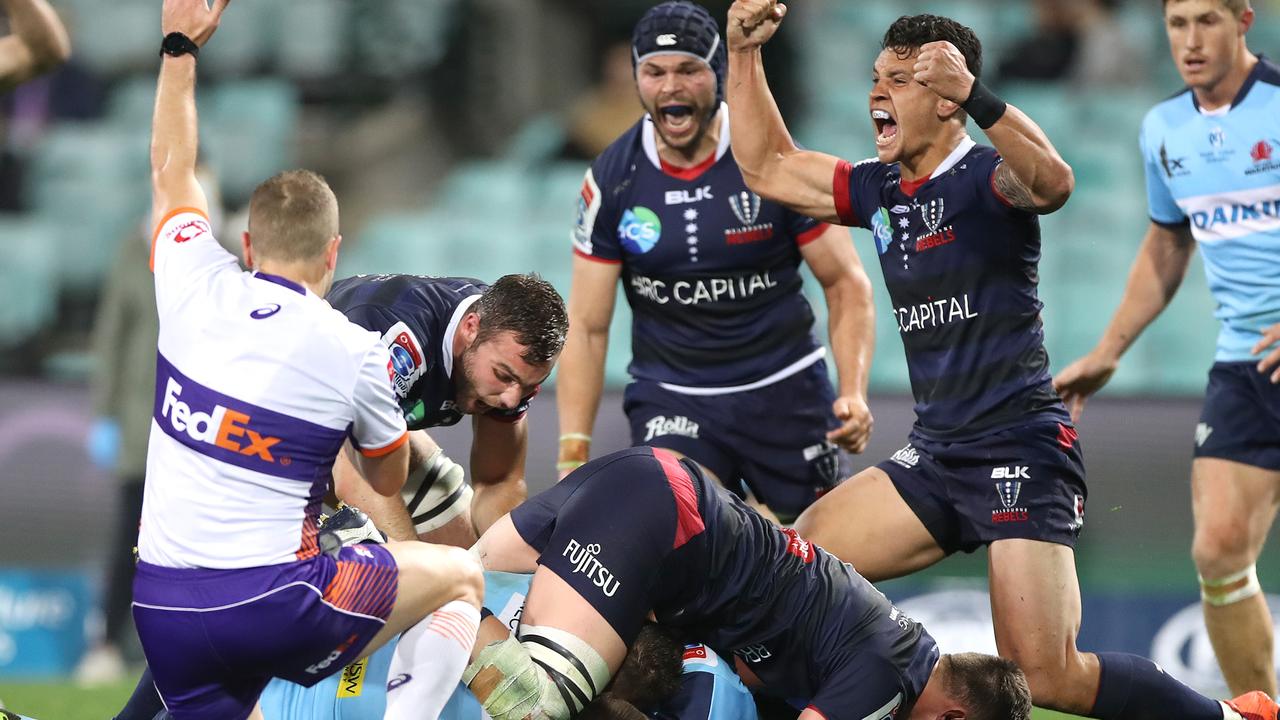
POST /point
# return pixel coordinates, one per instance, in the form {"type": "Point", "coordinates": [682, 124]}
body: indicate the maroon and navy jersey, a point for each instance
{"type": "Point", "coordinates": [710, 270]}
{"type": "Point", "coordinates": [960, 264]}
{"type": "Point", "coordinates": [416, 315]}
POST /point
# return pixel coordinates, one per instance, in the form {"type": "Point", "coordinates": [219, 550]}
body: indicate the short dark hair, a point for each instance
{"type": "Point", "coordinates": [908, 33]}
{"type": "Point", "coordinates": [528, 307]}
{"type": "Point", "coordinates": [609, 707]}
{"type": "Point", "coordinates": [1235, 7]}
{"type": "Point", "coordinates": [651, 671]}
{"type": "Point", "coordinates": [990, 687]}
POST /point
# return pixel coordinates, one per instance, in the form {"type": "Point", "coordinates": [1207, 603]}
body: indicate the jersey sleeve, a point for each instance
{"type": "Point", "coordinates": [593, 236]}
{"type": "Point", "coordinates": [804, 229]}
{"type": "Point", "coordinates": [183, 245]}
{"type": "Point", "coordinates": [855, 193]}
{"type": "Point", "coordinates": [404, 347]}
{"type": "Point", "coordinates": [1160, 203]}
{"type": "Point", "coordinates": [692, 701]}
{"type": "Point", "coordinates": [988, 193]}
{"type": "Point", "coordinates": [379, 427]}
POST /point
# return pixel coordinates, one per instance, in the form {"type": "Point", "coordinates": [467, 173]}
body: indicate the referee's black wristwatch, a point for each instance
{"type": "Point", "coordinates": [176, 44]}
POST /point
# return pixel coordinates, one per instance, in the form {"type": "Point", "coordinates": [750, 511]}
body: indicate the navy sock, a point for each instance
{"type": "Point", "coordinates": [144, 703]}
{"type": "Point", "coordinates": [1134, 688]}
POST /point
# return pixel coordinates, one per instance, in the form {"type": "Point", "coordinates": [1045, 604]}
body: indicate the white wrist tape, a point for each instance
{"type": "Point", "coordinates": [512, 686]}
{"type": "Point", "coordinates": [1215, 592]}
{"type": "Point", "coordinates": [436, 493]}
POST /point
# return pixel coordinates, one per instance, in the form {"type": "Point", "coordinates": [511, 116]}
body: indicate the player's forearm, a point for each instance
{"type": "Point", "coordinates": [851, 324]}
{"type": "Point", "coordinates": [1154, 279]}
{"type": "Point", "coordinates": [578, 390]}
{"type": "Point", "coordinates": [36, 24]}
{"type": "Point", "coordinates": [760, 138]}
{"type": "Point", "coordinates": [174, 134]}
{"type": "Point", "coordinates": [1033, 158]}
{"type": "Point", "coordinates": [388, 513]}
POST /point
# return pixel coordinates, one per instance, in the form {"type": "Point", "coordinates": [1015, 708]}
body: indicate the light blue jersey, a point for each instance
{"type": "Point", "coordinates": [709, 690]}
{"type": "Point", "coordinates": [359, 691]}
{"type": "Point", "coordinates": [1219, 172]}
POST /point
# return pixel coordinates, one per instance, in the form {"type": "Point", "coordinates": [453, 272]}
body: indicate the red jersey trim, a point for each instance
{"type": "Point", "coordinates": [688, 521]}
{"type": "Point", "coordinates": [841, 194]}
{"type": "Point", "coordinates": [593, 258]}
{"type": "Point", "coordinates": [811, 234]}
{"type": "Point", "coordinates": [688, 173]}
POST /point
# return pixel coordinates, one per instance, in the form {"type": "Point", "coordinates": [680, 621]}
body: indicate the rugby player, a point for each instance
{"type": "Point", "coordinates": [458, 347]}
{"type": "Point", "coordinates": [642, 531]}
{"type": "Point", "coordinates": [993, 458]}
{"type": "Point", "coordinates": [37, 44]}
{"type": "Point", "coordinates": [725, 366]}
{"type": "Point", "coordinates": [1212, 157]}
{"type": "Point", "coordinates": [259, 383]}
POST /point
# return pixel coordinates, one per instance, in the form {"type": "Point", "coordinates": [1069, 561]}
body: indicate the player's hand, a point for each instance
{"type": "Point", "coordinates": [1270, 363]}
{"type": "Point", "coordinates": [193, 18]}
{"type": "Point", "coordinates": [855, 431]}
{"type": "Point", "coordinates": [1081, 379]}
{"type": "Point", "coordinates": [941, 68]}
{"type": "Point", "coordinates": [574, 453]}
{"type": "Point", "coordinates": [753, 22]}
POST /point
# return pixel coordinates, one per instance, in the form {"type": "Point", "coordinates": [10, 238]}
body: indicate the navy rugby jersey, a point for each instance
{"type": "Point", "coordinates": [960, 266]}
{"type": "Point", "coordinates": [417, 316]}
{"type": "Point", "coordinates": [732, 579]}
{"type": "Point", "coordinates": [709, 269]}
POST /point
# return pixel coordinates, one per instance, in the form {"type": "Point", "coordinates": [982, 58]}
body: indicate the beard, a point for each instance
{"type": "Point", "coordinates": [464, 385]}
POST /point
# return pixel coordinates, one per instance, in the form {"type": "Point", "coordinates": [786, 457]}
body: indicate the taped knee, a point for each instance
{"type": "Point", "coordinates": [436, 493]}
{"type": "Point", "coordinates": [548, 675]}
{"type": "Point", "coordinates": [1230, 589]}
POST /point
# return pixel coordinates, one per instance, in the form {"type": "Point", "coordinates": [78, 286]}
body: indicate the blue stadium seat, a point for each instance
{"type": "Point", "coordinates": [28, 277]}
{"type": "Point", "coordinates": [248, 129]}
{"type": "Point", "coordinates": [313, 42]}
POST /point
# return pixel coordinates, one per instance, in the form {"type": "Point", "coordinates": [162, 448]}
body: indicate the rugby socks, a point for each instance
{"type": "Point", "coordinates": [144, 703]}
{"type": "Point", "coordinates": [429, 660]}
{"type": "Point", "coordinates": [1134, 688]}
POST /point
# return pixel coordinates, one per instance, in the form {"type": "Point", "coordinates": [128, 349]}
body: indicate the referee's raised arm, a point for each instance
{"type": "Point", "coordinates": [187, 25]}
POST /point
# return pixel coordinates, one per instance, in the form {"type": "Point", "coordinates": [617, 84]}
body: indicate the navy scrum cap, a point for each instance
{"type": "Point", "coordinates": [681, 27]}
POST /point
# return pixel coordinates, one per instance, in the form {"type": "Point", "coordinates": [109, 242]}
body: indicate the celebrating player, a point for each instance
{"type": "Point", "coordinates": [38, 43]}
{"type": "Point", "coordinates": [458, 347]}
{"type": "Point", "coordinates": [259, 383]}
{"type": "Point", "coordinates": [725, 365]}
{"type": "Point", "coordinates": [641, 530]}
{"type": "Point", "coordinates": [1213, 177]}
{"type": "Point", "coordinates": [993, 459]}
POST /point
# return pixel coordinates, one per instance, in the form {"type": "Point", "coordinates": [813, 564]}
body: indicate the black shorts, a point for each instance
{"type": "Point", "coordinates": [1240, 420]}
{"type": "Point", "coordinates": [773, 439]}
{"type": "Point", "coordinates": [1026, 482]}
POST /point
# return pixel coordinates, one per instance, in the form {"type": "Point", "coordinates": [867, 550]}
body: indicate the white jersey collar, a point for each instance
{"type": "Point", "coordinates": [446, 345]}
{"type": "Point", "coordinates": [961, 150]}
{"type": "Point", "coordinates": [649, 137]}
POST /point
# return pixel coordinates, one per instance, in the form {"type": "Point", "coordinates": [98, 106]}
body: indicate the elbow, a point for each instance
{"type": "Point", "coordinates": [1057, 189]}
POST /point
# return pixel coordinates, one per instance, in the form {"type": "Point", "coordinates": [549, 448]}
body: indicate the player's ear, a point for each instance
{"type": "Point", "coordinates": [1246, 20]}
{"type": "Point", "coordinates": [469, 328]}
{"type": "Point", "coordinates": [947, 109]}
{"type": "Point", "coordinates": [331, 253]}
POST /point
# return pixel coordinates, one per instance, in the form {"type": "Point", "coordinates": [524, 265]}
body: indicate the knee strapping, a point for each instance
{"type": "Point", "coordinates": [1230, 589]}
{"type": "Point", "coordinates": [436, 493]}
{"type": "Point", "coordinates": [548, 675]}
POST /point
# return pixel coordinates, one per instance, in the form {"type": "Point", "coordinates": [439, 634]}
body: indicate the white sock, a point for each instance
{"type": "Point", "coordinates": [431, 657]}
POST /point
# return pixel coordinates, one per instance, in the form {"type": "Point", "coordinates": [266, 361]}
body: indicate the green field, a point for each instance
{"type": "Point", "coordinates": [65, 701]}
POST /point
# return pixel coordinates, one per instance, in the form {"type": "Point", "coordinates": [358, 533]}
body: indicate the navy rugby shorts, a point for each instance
{"type": "Point", "coordinates": [1240, 420]}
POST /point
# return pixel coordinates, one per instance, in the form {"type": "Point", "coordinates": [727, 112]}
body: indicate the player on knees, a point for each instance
{"type": "Point", "coordinates": [231, 587]}
{"type": "Point", "coordinates": [458, 347]}
{"type": "Point", "coordinates": [726, 369]}
{"type": "Point", "coordinates": [993, 459]}
{"type": "Point", "coordinates": [1235, 476]}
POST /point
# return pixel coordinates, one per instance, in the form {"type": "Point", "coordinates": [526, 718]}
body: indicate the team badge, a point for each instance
{"type": "Point", "coordinates": [931, 212]}
{"type": "Point", "coordinates": [745, 206]}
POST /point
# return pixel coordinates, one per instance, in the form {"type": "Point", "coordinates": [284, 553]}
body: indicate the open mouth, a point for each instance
{"type": "Point", "coordinates": [1194, 64]}
{"type": "Point", "coordinates": [676, 119]}
{"type": "Point", "coordinates": [886, 127]}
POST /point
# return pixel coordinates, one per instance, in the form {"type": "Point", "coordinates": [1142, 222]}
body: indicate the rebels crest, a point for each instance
{"type": "Point", "coordinates": [931, 213]}
{"type": "Point", "coordinates": [746, 206]}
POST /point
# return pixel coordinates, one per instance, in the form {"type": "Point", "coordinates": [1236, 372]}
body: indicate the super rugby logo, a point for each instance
{"type": "Point", "coordinates": [583, 559]}
{"type": "Point", "coordinates": [222, 427]}
{"type": "Point", "coordinates": [588, 208]}
{"type": "Point", "coordinates": [407, 361]}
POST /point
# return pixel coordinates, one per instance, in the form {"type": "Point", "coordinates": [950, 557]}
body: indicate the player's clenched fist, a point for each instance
{"type": "Point", "coordinates": [753, 22]}
{"type": "Point", "coordinates": [941, 68]}
{"type": "Point", "coordinates": [193, 18]}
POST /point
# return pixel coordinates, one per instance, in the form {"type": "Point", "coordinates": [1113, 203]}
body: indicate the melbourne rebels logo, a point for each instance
{"type": "Point", "coordinates": [931, 213]}
{"type": "Point", "coordinates": [745, 206]}
{"type": "Point", "coordinates": [1008, 492]}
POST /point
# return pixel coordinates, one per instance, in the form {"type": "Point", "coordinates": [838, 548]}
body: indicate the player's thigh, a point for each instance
{"type": "Point", "coordinates": [1234, 505]}
{"type": "Point", "coordinates": [864, 521]}
{"type": "Point", "coordinates": [553, 602]}
{"type": "Point", "coordinates": [1035, 603]}
{"type": "Point", "coordinates": [429, 576]}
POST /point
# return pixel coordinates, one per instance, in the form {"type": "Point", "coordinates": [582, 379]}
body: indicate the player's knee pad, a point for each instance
{"type": "Point", "coordinates": [436, 493]}
{"type": "Point", "coordinates": [547, 675]}
{"type": "Point", "coordinates": [1230, 589]}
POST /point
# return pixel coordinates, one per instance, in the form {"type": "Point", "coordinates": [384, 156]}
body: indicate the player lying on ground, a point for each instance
{"type": "Point", "coordinates": [641, 530]}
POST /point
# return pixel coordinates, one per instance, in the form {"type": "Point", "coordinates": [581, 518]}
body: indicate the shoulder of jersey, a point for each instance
{"type": "Point", "coordinates": [614, 164]}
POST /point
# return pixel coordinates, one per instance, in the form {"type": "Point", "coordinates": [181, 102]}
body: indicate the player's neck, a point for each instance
{"type": "Point", "coordinates": [922, 164]}
{"type": "Point", "coordinates": [304, 274]}
{"type": "Point", "coordinates": [1224, 92]}
{"type": "Point", "coordinates": [695, 154]}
